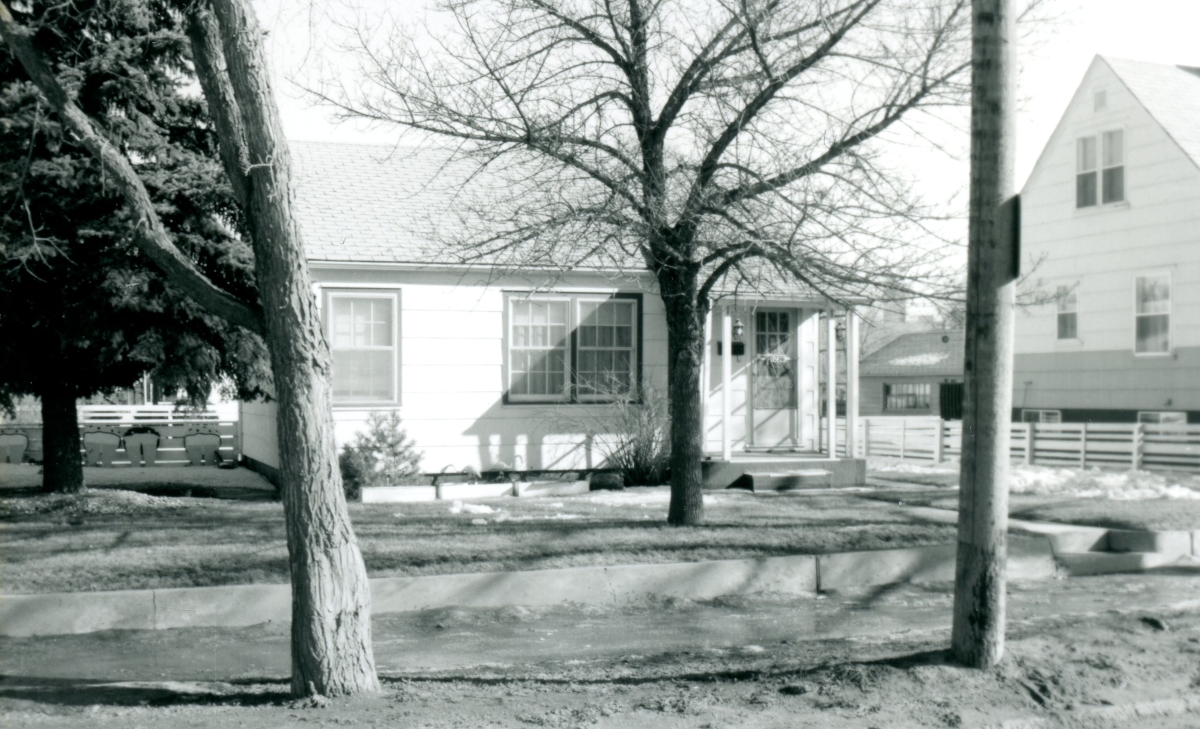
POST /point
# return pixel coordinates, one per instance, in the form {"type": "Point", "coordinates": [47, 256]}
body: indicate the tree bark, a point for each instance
{"type": "Point", "coordinates": [685, 351]}
{"type": "Point", "coordinates": [977, 639]}
{"type": "Point", "coordinates": [62, 462]}
{"type": "Point", "coordinates": [331, 597]}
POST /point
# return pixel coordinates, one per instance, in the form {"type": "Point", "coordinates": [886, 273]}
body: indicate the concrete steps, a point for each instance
{"type": "Point", "coordinates": [797, 480]}
{"type": "Point", "coordinates": [1097, 551]}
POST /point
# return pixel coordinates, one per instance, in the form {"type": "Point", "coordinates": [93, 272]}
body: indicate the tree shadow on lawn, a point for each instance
{"type": "Point", "coordinates": [72, 692]}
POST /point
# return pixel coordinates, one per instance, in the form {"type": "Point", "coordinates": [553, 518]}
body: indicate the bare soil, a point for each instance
{"type": "Point", "coordinates": [663, 665]}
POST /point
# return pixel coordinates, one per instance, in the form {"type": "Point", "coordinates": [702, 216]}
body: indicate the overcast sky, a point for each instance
{"type": "Point", "coordinates": [1163, 31]}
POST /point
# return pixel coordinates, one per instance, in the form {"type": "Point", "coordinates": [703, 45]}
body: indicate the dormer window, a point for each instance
{"type": "Point", "coordinates": [1100, 169]}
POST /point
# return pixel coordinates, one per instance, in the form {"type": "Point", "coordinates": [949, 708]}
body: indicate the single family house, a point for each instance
{"type": "Point", "coordinates": [1110, 239]}
{"type": "Point", "coordinates": [514, 365]}
{"type": "Point", "coordinates": [915, 374]}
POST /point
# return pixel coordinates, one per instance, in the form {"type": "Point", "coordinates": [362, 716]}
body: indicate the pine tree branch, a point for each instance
{"type": "Point", "coordinates": [149, 234]}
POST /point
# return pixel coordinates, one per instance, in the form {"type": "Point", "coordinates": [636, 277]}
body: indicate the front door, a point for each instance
{"type": "Point", "coordinates": [774, 379]}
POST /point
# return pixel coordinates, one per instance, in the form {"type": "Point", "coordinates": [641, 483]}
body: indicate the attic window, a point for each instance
{"type": "Point", "coordinates": [1100, 101]}
{"type": "Point", "coordinates": [1100, 169]}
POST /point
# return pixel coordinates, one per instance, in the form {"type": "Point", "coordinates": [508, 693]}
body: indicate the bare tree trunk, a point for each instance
{"type": "Point", "coordinates": [62, 464]}
{"type": "Point", "coordinates": [685, 351]}
{"type": "Point", "coordinates": [979, 587]}
{"type": "Point", "coordinates": [331, 597]}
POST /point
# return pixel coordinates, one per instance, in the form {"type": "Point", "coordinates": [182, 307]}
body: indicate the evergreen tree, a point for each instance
{"type": "Point", "coordinates": [82, 311]}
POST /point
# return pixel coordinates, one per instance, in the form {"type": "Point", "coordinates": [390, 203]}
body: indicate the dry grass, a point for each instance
{"type": "Point", "coordinates": [85, 543]}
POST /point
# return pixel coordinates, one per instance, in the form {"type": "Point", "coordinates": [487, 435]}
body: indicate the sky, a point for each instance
{"type": "Point", "coordinates": [1163, 31]}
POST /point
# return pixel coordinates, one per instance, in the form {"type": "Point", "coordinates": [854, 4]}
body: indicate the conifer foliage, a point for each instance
{"type": "Point", "coordinates": [83, 311]}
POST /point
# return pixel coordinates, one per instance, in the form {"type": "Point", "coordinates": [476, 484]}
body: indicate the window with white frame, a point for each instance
{"type": "Point", "coordinates": [1041, 416]}
{"type": "Point", "coordinates": [363, 338]}
{"type": "Point", "coordinates": [1160, 417]}
{"type": "Point", "coordinates": [578, 348]}
{"type": "Point", "coordinates": [606, 349]}
{"type": "Point", "coordinates": [1152, 314]}
{"type": "Point", "coordinates": [1100, 169]}
{"type": "Point", "coordinates": [538, 351]}
{"type": "Point", "coordinates": [1068, 323]}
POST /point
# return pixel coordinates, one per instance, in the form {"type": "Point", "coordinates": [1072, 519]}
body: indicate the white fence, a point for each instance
{"type": "Point", "coordinates": [172, 437]}
{"type": "Point", "coordinates": [1080, 445]}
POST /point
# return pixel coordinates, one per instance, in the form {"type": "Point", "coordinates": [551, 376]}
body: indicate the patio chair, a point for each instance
{"type": "Point", "coordinates": [203, 446]}
{"type": "Point", "coordinates": [100, 447]}
{"type": "Point", "coordinates": [141, 444]}
{"type": "Point", "coordinates": [12, 446]}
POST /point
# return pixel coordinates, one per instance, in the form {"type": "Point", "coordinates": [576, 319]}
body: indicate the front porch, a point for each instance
{"type": "Point", "coordinates": [768, 364]}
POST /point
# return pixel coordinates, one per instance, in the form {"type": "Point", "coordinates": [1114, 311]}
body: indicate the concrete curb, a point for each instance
{"type": "Point", "coordinates": [244, 605]}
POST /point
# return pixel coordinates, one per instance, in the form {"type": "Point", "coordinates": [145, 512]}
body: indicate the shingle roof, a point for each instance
{"type": "Point", "coordinates": [935, 353]}
{"type": "Point", "coordinates": [381, 204]}
{"type": "Point", "coordinates": [372, 203]}
{"type": "Point", "coordinates": [1170, 93]}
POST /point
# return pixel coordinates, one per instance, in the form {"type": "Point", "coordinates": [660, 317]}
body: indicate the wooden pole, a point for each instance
{"type": "Point", "coordinates": [977, 638]}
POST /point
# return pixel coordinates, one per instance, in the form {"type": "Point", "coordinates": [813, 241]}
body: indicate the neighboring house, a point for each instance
{"type": "Point", "coordinates": [1110, 225]}
{"type": "Point", "coordinates": [512, 364]}
{"type": "Point", "coordinates": [915, 374]}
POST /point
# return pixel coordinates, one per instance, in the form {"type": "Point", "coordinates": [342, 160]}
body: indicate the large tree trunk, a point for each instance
{"type": "Point", "coordinates": [685, 352]}
{"type": "Point", "coordinates": [62, 463]}
{"type": "Point", "coordinates": [331, 597]}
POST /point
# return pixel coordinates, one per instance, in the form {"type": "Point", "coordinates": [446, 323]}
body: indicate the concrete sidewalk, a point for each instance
{"type": "Point", "coordinates": [453, 641]}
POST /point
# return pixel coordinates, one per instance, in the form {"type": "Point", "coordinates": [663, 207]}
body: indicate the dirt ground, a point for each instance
{"type": "Point", "coordinates": [1087, 652]}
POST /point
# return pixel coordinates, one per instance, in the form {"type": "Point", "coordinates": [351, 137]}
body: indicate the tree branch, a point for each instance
{"type": "Point", "coordinates": [149, 234]}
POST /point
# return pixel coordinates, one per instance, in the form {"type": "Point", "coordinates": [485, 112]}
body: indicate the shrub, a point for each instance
{"type": "Point", "coordinates": [383, 455]}
{"type": "Point", "coordinates": [636, 439]}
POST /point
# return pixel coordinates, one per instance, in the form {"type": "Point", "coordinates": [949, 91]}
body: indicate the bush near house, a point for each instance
{"type": "Point", "coordinates": [381, 456]}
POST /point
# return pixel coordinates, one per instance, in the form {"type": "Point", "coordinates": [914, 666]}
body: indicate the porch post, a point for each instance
{"type": "Point", "coordinates": [831, 383]}
{"type": "Point", "coordinates": [851, 382]}
{"type": "Point", "coordinates": [726, 379]}
{"type": "Point", "coordinates": [705, 374]}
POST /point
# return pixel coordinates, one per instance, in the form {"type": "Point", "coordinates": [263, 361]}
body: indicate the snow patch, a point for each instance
{"type": "Point", "coordinates": [918, 360]}
{"type": "Point", "coordinates": [459, 507]}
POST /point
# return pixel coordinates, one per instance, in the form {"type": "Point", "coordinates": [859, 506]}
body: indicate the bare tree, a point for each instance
{"type": "Point", "coordinates": [331, 607]}
{"type": "Point", "coordinates": [716, 143]}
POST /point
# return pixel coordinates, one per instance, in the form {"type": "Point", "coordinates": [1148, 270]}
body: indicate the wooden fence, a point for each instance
{"type": "Point", "coordinates": [1079, 445]}
{"type": "Point", "coordinates": [160, 434]}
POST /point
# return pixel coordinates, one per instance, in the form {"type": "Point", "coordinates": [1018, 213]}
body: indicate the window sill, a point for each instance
{"type": "Point", "coordinates": [1102, 208]}
{"type": "Point", "coordinates": [1073, 343]}
{"type": "Point", "coordinates": [1154, 354]}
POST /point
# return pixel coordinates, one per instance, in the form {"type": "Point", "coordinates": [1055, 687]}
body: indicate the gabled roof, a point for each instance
{"type": "Point", "coordinates": [364, 203]}
{"type": "Point", "coordinates": [1170, 93]}
{"type": "Point", "coordinates": [935, 353]}
{"type": "Point", "coordinates": [374, 203]}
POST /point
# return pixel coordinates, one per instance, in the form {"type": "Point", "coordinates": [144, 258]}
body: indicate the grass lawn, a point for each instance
{"type": "Point", "coordinates": [112, 540]}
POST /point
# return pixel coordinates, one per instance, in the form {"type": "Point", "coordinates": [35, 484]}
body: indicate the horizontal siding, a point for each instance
{"type": "Point", "coordinates": [1103, 249]}
{"type": "Point", "coordinates": [1114, 380]}
{"type": "Point", "coordinates": [260, 439]}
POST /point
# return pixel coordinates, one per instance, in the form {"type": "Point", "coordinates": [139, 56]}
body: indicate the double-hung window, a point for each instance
{"type": "Point", "coordinates": [363, 336]}
{"type": "Point", "coordinates": [1100, 169]}
{"type": "Point", "coordinates": [538, 350]}
{"type": "Point", "coordinates": [578, 348]}
{"type": "Point", "coordinates": [1152, 314]}
{"type": "Point", "coordinates": [1068, 323]}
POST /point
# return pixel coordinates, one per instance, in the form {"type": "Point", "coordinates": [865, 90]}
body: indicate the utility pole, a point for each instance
{"type": "Point", "coordinates": [977, 639]}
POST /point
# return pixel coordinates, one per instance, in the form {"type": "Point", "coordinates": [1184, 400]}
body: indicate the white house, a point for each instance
{"type": "Point", "coordinates": [1110, 227]}
{"type": "Point", "coordinates": [492, 365]}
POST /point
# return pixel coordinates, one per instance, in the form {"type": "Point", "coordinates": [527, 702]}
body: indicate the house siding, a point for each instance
{"type": "Point", "coordinates": [452, 370]}
{"type": "Point", "coordinates": [1102, 250]}
{"type": "Point", "coordinates": [871, 398]}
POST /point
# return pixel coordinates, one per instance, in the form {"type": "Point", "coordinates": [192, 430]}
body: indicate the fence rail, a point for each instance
{"type": "Point", "coordinates": [1081, 445]}
{"type": "Point", "coordinates": [135, 435]}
